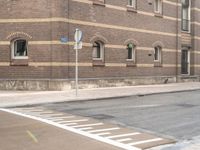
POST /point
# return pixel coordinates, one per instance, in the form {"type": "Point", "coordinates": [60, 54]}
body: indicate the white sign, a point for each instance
{"type": "Point", "coordinates": [78, 35]}
{"type": "Point", "coordinates": [78, 45]}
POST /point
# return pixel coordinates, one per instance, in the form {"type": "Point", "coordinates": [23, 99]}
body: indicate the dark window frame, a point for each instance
{"type": "Point", "coordinates": [98, 46]}
{"type": "Point", "coordinates": [157, 53]}
{"type": "Point", "coordinates": [19, 49]}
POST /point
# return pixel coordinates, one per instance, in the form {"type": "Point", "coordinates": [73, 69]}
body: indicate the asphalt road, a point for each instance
{"type": "Point", "coordinates": [19, 133]}
{"type": "Point", "coordinates": [174, 115]}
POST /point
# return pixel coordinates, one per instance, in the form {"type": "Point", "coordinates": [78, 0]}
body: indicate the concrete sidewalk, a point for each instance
{"type": "Point", "coordinates": [20, 98]}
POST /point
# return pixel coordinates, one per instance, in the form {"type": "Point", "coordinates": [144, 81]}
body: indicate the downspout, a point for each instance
{"type": "Point", "coordinates": [51, 47]}
{"type": "Point", "coordinates": [68, 47]}
{"type": "Point", "coordinates": [177, 39]}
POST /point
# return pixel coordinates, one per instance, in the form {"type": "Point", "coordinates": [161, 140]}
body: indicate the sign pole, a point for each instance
{"type": "Point", "coordinates": [78, 45]}
{"type": "Point", "coordinates": [76, 75]}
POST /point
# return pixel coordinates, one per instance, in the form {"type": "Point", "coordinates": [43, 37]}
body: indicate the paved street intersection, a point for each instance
{"type": "Point", "coordinates": [145, 114]}
{"type": "Point", "coordinates": [120, 137]}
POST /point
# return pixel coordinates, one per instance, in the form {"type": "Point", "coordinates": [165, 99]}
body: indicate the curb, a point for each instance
{"type": "Point", "coordinates": [91, 99]}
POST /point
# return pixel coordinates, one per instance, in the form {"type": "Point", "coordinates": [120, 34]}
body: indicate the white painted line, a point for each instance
{"type": "Point", "coordinates": [46, 112]}
{"type": "Point", "coordinates": [146, 141]}
{"type": "Point", "coordinates": [38, 110]}
{"type": "Point", "coordinates": [30, 108]}
{"type": "Point", "coordinates": [35, 114]}
{"type": "Point", "coordinates": [54, 119]}
{"type": "Point", "coordinates": [123, 135]}
{"type": "Point", "coordinates": [88, 128]}
{"type": "Point", "coordinates": [88, 125]}
{"type": "Point", "coordinates": [104, 133]}
{"type": "Point", "coordinates": [67, 117]}
{"type": "Point", "coordinates": [51, 114]}
{"type": "Point", "coordinates": [124, 140]}
{"type": "Point", "coordinates": [101, 130]}
{"type": "Point", "coordinates": [68, 124]}
{"type": "Point", "coordinates": [74, 130]}
{"type": "Point", "coordinates": [69, 121]}
{"type": "Point", "coordinates": [44, 115]}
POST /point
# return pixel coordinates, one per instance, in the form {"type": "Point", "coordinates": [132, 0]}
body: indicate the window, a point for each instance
{"type": "Point", "coordinates": [19, 49]}
{"type": "Point", "coordinates": [131, 51]}
{"type": "Point", "coordinates": [158, 6]}
{"type": "Point", "coordinates": [98, 50]}
{"type": "Point", "coordinates": [157, 53]}
{"type": "Point", "coordinates": [185, 15]}
{"type": "Point", "coordinates": [132, 3]}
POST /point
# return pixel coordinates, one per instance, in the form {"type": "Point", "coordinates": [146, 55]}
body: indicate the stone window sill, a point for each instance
{"type": "Point", "coordinates": [185, 32]}
{"type": "Point", "coordinates": [131, 9]}
{"type": "Point", "coordinates": [98, 63]}
{"type": "Point", "coordinates": [130, 63]}
{"type": "Point", "coordinates": [157, 64]}
{"type": "Point", "coordinates": [157, 14]}
{"type": "Point", "coordinates": [99, 3]}
{"type": "Point", "coordinates": [19, 62]}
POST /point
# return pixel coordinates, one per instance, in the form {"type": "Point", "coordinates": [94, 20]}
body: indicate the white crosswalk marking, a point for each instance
{"type": "Point", "coordinates": [100, 130]}
{"type": "Point", "coordinates": [88, 125]}
{"type": "Point", "coordinates": [30, 108]}
{"type": "Point", "coordinates": [45, 112]}
{"type": "Point", "coordinates": [46, 116]}
{"type": "Point", "coordinates": [64, 117]}
{"type": "Point", "coordinates": [146, 141]}
{"type": "Point", "coordinates": [88, 128]}
{"type": "Point", "coordinates": [54, 119]}
{"type": "Point", "coordinates": [69, 121]}
{"type": "Point", "coordinates": [38, 110]}
{"type": "Point", "coordinates": [51, 114]}
{"type": "Point", "coordinates": [104, 133]}
{"type": "Point", "coordinates": [68, 124]}
{"type": "Point", "coordinates": [98, 136]}
{"type": "Point", "coordinates": [123, 135]}
{"type": "Point", "coordinates": [124, 140]}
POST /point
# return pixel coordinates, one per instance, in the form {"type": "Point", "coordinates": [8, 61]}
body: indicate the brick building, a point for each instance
{"type": "Point", "coordinates": [125, 42]}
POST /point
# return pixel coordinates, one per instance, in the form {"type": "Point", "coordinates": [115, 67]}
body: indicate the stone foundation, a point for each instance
{"type": "Point", "coordinates": [39, 85]}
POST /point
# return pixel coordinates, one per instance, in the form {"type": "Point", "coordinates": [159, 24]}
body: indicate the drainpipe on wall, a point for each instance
{"type": "Point", "coordinates": [193, 31]}
{"type": "Point", "coordinates": [51, 40]}
{"type": "Point", "coordinates": [68, 34]}
{"type": "Point", "coordinates": [51, 37]}
{"type": "Point", "coordinates": [177, 38]}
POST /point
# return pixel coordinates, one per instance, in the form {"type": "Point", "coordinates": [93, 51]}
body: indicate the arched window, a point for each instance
{"type": "Point", "coordinates": [158, 6]}
{"type": "Point", "coordinates": [98, 50]}
{"type": "Point", "coordinates": [157, 53]}
{"type": "Point", "coordinates": [131, 51]}
{"type": "Point", "coordinates": [19, 49]}
{"type": "Point", "coordinates": [132, 3]}
{"type": "Point", "coordinates": [185, 15]}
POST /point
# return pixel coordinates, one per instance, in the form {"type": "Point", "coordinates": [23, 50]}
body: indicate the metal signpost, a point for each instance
{"type": "Point", "coordinates": [78, 45]}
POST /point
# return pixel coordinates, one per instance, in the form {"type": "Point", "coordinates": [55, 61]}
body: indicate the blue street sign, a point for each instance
{"type": "Point", "coordinates": [64, 39]}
